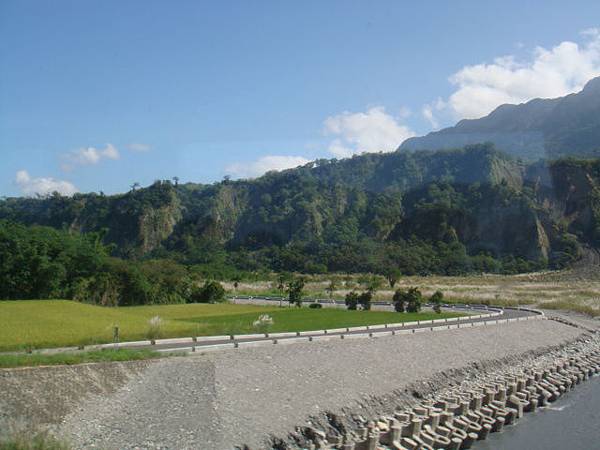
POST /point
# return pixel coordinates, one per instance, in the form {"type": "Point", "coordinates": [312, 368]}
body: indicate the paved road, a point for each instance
{"type": "Point", "coordinates": [507, 313]}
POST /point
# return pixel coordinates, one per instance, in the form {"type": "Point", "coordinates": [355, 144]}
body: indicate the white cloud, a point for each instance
{"type": "Point", "coordinates": [42, 186]}
{"type": "Point", "coordinates": [431, 110]}
{"type": "Point", "coordinates": [549, 73]}
{"type": "Point", "coordinates": [89, 156]}
{"type": "Point", "coordinates": [265, 164]}
{"type": "Point", "coordinates": [427, 112]}
{"type": "Point", "coordinates": [138, 147]}
{"type": "Point", "coordinates": [371, 131]}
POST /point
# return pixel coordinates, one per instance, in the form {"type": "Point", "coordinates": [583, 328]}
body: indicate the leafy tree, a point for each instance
{"type": "Point", "coordinates": [210, 292]}
{"type": "Point", "coordinates": [392, 275]}
{"type": "Point", "coordinates": [408, 300]}
{"type": "Point", "coordinates": [373, 284]}
{"type": "Point", "coordinates": [352, 299]}
{"type": "Point", "coordinates": [399, 300]}
{"type": "Point", "coordinates": [365, 300]}
{"type": "Point", "coordinates": [413, 305]}
{"type": "Point", "coordinates": [295, 288]}
{"type": "Point", "coordinates": [436, 300]}
{"type": "Point", "coordinates": [101, 289]}
{"type": "Point", "coordinates": [41, 262]}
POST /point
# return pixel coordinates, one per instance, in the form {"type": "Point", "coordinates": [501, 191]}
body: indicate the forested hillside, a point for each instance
{"type": "Point", "coordinates": [448, 212]}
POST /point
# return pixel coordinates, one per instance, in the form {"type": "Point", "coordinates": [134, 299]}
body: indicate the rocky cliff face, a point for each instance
{"type": "Point", "coordinates": [477, 196]}
{"type": "Point", "coordinates": [576, 197]}
{"type": "Point", "coordinates": [515, 229]}
{"type": "Point", "coordinates": [156, 225]}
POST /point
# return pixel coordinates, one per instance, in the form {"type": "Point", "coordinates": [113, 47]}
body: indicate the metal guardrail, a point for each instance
{"type": "Point", "coordinates": [211, 343]}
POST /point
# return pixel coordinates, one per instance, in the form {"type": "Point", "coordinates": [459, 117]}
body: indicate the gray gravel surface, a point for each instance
{"type": "Point", "coordinates": [172, 406]}
{"type": "Point", "coordinates": [220, 400]}
{"type": "Point", "coordinates": [575, 318]}
{"type": "Point", "coordinates": [44, 395]}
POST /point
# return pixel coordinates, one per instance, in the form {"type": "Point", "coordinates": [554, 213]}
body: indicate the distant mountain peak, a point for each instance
{"type": "Point", "coordinates": [539, 128]}
{"type": "Point", "coordinates": [592, 86]}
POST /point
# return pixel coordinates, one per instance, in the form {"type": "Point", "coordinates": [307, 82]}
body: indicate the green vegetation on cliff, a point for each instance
{"type": "Point", "coordinates": [448, 212]}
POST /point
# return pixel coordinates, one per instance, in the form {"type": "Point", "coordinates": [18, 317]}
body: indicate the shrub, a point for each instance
{"type": "Point", "coordinates": [154, 328]}
{"type": "Point", "coordinates": [295, 290]}
{"type": "Point", "coordinates": [399, 300]}
{"type": "Point", "coordinates": [374, 284]}
{"type": "Point", "coordinates": [315, 306]}
{"type": "Point", "coordinates": [392, 276]}
{"type": "Point", "coordinates": [210, 292]}
{"type": "Point", "coordinates": [365, 300]}
{"type": "Point", "coordinates": [409, 301]}
{"type": "Point", "coordinates": [263, 323]}
{"type": "Point", "coordinates": [414, 300]}
{"type": "Point", "coordinates": [436, 301]}
{"type": "Point", "coordinates": [352, 300]}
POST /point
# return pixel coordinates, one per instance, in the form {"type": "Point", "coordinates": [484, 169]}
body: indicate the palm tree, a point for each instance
{"type": "Point", "coordinates": [176, 180]}
{"type": "Point", "coordinates": [135, 185]}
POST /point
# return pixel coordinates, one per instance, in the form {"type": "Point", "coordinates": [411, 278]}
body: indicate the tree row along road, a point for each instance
{"type": "Point", "coordinates": [483, 316]}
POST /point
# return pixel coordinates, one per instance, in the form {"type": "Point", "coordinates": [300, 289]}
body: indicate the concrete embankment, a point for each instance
{"type": "Point", "coordinates": [455, 417]}
{"type": "Point", "coordinates": [257, 396]}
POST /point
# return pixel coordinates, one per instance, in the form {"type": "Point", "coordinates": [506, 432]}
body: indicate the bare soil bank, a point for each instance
{"type": "Point", "coordinates": [220, 400]}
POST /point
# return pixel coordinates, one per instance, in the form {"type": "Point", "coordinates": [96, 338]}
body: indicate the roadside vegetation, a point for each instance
{"type": "Point", "coordinates": [582, 308]}
{"type": "Point", "coordinates": [57, 323]}
{"type": "Point", "coordinates": [71, 358]}
{"type": "Point", "coordinates": [564, 290]}
{"type": "Point", "coordinates": [25, 439]}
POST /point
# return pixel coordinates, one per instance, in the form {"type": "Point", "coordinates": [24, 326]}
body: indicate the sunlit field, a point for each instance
{"type": "Point", "coordinates": [54, 323]}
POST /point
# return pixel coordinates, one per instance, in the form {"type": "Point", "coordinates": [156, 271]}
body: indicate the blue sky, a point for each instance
{"type": "Point", "coordinates": [98, 95]}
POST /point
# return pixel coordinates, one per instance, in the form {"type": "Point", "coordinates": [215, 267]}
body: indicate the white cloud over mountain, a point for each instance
{"type": "Point", "coordinates": [264, 165]}
{"type": "Point", "coordinates": [89, 156]}
{"type": "Point", "coordinates": [549, 73]}
{"type": "Point", "coordinates": [42, 186]}
{"type": "Point", "coordinates": [370, 131]}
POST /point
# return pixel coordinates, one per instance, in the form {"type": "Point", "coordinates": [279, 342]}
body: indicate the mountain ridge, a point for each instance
{"type": "Point", "coordinates": [537, 129]}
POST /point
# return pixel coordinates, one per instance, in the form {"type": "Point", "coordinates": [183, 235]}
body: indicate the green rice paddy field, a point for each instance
{"type": "Point", "coordinates": [26, 324]}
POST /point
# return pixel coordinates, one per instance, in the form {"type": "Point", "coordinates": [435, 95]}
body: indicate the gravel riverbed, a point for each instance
{"type": "Point", "coordinates": [246, 396]}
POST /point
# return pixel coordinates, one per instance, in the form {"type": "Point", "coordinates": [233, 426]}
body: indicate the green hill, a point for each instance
{"type": "Point", "coordinates": [451, 211]}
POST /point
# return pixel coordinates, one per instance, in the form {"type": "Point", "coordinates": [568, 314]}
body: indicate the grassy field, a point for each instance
{"type": "Point", "coordinates": [551, 290]}
{"type": "Point", "coordinates": [55, 323]}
